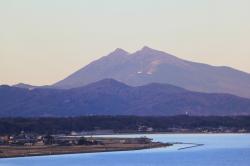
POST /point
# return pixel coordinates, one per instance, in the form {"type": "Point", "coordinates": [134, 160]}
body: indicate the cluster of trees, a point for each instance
{"type": "Point", "coordinates": [118, 123]}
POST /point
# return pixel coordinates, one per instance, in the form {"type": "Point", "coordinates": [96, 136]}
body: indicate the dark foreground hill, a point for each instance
{"type": "Point", "coordinates": [110, 97]}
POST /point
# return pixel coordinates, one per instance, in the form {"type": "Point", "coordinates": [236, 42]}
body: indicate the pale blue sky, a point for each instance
{"type": "Point", "coordinates": [43, 41]}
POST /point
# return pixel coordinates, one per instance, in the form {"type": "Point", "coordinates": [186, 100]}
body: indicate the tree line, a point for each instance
{"type": "Point", "coordinates": [53, 125]}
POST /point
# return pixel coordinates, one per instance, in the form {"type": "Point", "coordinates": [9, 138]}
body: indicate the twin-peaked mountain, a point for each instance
{"type": "Point", "coordinates": [93, 90]}
{"type": "Point", "coordinates": [147, 65]}
{"type": "Point", "coordinates": [110, 97]}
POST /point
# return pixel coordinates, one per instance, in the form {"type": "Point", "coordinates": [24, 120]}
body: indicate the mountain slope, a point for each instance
{"type": "Point", "coordinates": [110, 97]}
{"type": "Point", "coordinates": [147, 65]}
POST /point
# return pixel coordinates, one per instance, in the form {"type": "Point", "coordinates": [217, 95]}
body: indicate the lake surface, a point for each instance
{"type": "Point", "coordinates": [218, 150]}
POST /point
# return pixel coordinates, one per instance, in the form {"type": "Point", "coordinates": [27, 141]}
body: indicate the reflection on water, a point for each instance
{"type": "Point", "coordinates": [217, 150]}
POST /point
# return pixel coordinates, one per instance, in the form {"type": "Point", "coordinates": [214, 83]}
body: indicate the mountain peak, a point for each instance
{"type": "Point", "coordinates": [146, 48]}
{"type": "Point", "coordinates": [24, 86]}
{"type": "Point", "coordinates": [21, 84]}
{"type": "Point", "coordinates": [110, 82]}
{"type": "Point", "coordinates": [119, 51]}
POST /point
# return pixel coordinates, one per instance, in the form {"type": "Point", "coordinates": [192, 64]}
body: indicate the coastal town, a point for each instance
{"type": "Point", "coordinates": [19, 140]}
{"type": "Point", "coordinates": [66, 140]}
{"type": "Point", "coordinates": [85, 137]}
{"type": "Point", "coordinates": [32, 144]}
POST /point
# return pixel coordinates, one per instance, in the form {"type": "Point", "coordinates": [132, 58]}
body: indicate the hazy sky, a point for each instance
{"type": "Point", "coordinates": [43, 41]}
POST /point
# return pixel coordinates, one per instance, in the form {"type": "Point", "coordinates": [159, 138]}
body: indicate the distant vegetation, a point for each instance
{"type": "Point", "coordinates": [125, 124]}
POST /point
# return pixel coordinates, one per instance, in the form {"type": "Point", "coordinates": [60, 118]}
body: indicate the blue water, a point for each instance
{"type": "Point", "coordinates": [218, 150]}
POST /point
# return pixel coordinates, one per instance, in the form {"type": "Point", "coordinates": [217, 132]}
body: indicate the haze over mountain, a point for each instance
{"type": "Point", "coordinates": [148, 65]}
{"type": "Point", "coordinates": [110, 97]}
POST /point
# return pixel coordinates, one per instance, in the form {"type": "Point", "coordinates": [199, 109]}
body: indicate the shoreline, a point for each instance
{"type": "Point", "coordinates": [169, 133]}
{"type": "Point", "coordinates": [23, 151]}
{"type": "Point", "coordinates": [16, 151]}
{"type": "Point", "coordinates": [144, 133]}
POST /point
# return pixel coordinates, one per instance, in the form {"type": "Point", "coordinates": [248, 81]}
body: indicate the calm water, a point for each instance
{"type": "Point", "coordinates": [219, 150]}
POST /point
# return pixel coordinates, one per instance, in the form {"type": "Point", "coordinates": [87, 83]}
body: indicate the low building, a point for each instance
{"type": "Point", "coordinates": [145, 129]}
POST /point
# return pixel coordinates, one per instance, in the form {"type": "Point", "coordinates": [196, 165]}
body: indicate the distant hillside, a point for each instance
{"type": "Point", "coordinates": [24, 86]}
{"type": "Point", "coordinates": [30, 87]}
{"type": "Point", "coordinates": [148, 65]}
{"type": "Point", "coordinates": [110, 97]}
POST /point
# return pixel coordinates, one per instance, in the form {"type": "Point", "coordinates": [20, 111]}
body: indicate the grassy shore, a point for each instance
{"type": "Point", "coordinates": [8, 151]}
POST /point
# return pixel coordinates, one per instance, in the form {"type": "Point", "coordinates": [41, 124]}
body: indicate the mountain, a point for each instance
{"type": "Point", "coordinates": [148, 65]}
{"type": "Point", "coordinates": [110, 97]}
{"type": "Point", "coordinates": [31, 87]}
{"type": "Point", "coordinates": [25, 86]}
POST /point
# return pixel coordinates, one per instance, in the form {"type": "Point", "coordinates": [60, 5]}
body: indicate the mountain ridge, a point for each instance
{"type": "Point", "coordinates": [111, 97]}
{"type": "Point", "coordinates": [148, 65]}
